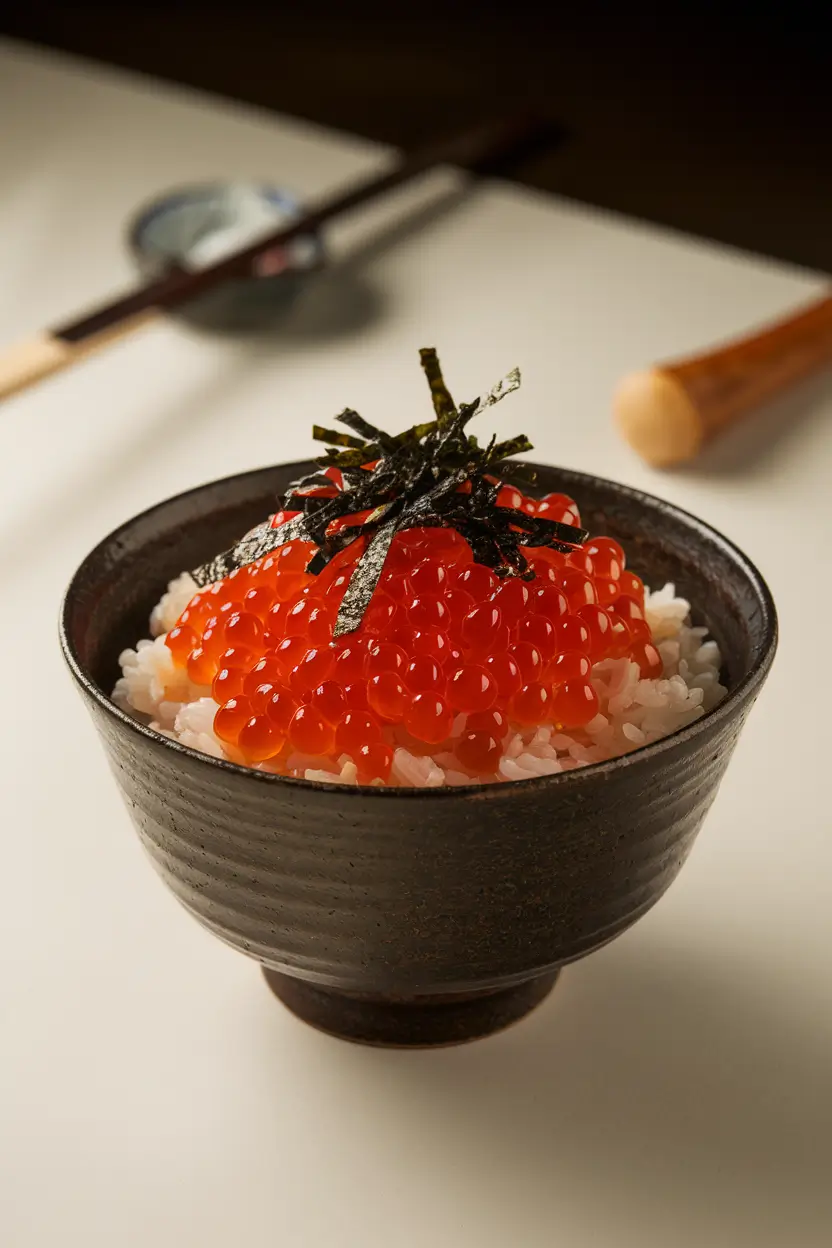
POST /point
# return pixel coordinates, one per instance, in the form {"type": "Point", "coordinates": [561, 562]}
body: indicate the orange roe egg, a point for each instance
{"type": "Point", "coordinates": [356, 729]}
{"type": "Point", "coordinates": [511, 597]}
{"type": "Point", "coordinates": [428, 577]}
{"type": "Point", "coordinates": [201, 666]}
{"type": "Point", "coordinates": [260, 739]}
{"type": "Point", "coordinates": [402, 633]}
{"type": "Point", "coordinates": [493, 721]}
{"type": "Point", "coordinates": [397, 588]}
{"type": "Point", "coordinates": [262, 695]}
{"type": "Point", "coordinates": [544, 570]}
{"type": "Point", "coordinates": [505, 672]}
{"type": "Point", "coordinates": [356, 696]}
{"type": "Point", "coordinates": [230, 718]}
{"type": "Point", "coordinates": [314, 668]}
{"type": "Point", "coordinates": [384, 656]}
{"type": "Point", "coordinates": [554, 506]}
{"type": "Point", "coordinates": [429, 611]}
{"type": "Point", "coordinates": [649, 661]}
{"type": "Point", "coordinates": [639, 630]}
{"type": "Point", "coordinates": [228, 683]}
{"type": "Point", "coordinates": [289, 653]}
{"type": "Point", "coordinates": [607, 558]}
{"type": "Point", "coordinates": [296, 618]}
{"type": "Point", "coordinates": [288, 585]}
{"type": "Point", "coordinates": [237, 657]}
{"type": "Point", "coordinates": [431, 643]}
{"type": "Point", "coordinates": [331, 584]}
{"type": "Point", "coordinates": [258, 601]}
{"type": "Point", "coordinates": [578, 588]}
{"type": "Point", "coordinates": [573, 634]}
{"type": "Point", "coordinates": [275, 624]}
{"type": "Point", "coordinates": [181, 641]}
{"type": "Point", "coordinates": [620, 640]}
{"type": "Point", "coordinates": [265, 669]}
{"type": "Point", "coordinates": [574, 704]}
{"type": "Point", "coordinates": [459, 602]}
{"type": "Point", "coordinates": [380, 614]}
{"type": "Point", "coordinates": [244, 630]}
{"type": "Point", "coordinates": [479, 752]}
{"type": "Point", "coordinates": [227, 608]}
{"type": "Point", "coordinates": [267, 574]}
{"type": "Point", "coordinates": [422, 674]}
{"type": "Point", "coordinates": [627, 608]}
{"type": "Point", "coordinates": [330, 701]}
{"type": "Point", "coordinates": [581, 559]}
{"type": "Point", "coordinates": [550, 601]}
{"type": "Point", "coordinates": [293, 557]}
{"type": "Point", "coordinates": [281, 709]}
{"type": "Point", "coordinates": [387, 697]}
{"type": "Point", "coordinates": [570, 665]}
{"type": "Point", "coordinates": [508, 496]}
{"type": "Point", "coordinates": [283, 517]}
{"type": "Point", "coordinates": [529, 661]}
{"type": "Point", "coordinates": [196, 612]}
{"type": "Point", "coordinates": [476, 580]}
{"type": "Point", "coordinates": [429, 718]}
{"type": "Point", "coordinates": [480, 628]}
{"type": "Point", "coordinates": [599, 625]}
{"type": "Point", "coordinates": [530, 705]}
{"type": "Point", "coordinates": [471, 688]}
{"type": "Point", "coordinates": [607, 590]}
{"type": "Point", "coordinates": [632, 586]}
{"type": "Point", "coordinates": [540, 632]}
{"type": "Point", "coordinates": [373, 761]}
{"type": "Point", "coordinates": [213, 641]}
{"type": "Point", "coordinates": [310, 733]}
{"type": "Point", "coordinates": [350, 661]}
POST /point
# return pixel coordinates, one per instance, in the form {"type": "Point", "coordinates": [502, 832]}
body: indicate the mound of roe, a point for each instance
{"type": "Point", "coordinates": [443, 637]}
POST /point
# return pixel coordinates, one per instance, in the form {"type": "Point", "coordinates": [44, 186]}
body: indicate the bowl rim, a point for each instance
{"type": "Point", "coordinates": [176, 196]}
{"type": "Point", "coordinates": [571, 779]}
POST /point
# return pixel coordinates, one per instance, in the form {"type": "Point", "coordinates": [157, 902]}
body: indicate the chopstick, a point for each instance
{"type": "Point", "coordinates": [52, 350]}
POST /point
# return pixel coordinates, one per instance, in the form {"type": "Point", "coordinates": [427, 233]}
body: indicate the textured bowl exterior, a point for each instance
{"type": "Point", "coordinates": [397, 892]}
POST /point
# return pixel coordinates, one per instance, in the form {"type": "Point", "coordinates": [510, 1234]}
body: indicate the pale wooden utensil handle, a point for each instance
{"type": "Point", "coordinates": [669, 412]}
{"type": "Point", "coordinates": [24, 363]}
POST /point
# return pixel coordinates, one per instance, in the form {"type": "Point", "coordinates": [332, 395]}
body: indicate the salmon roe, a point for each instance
{"type": "Point", "coordinates": [448, 653]}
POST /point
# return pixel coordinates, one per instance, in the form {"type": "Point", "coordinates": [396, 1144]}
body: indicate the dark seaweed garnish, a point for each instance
{"type": "Point", "coordinates": [415, 481]}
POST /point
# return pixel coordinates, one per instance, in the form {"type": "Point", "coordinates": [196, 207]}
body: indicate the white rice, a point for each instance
{"type": "Point", "coordinates": [632, 711]}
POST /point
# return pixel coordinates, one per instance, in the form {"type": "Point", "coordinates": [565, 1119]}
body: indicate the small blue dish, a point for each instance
{"type": "Point", "coordinates": [196, 226]}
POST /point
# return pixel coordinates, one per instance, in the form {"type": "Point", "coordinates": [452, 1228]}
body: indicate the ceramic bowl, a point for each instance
{"type": "Point", "coordinates": [195, 226]}
{"type": "Point", "coordinates": [406, 916]}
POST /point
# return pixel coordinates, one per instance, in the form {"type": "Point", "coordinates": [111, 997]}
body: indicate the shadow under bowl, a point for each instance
{"type": "Point", "coordinates": [415, 916]}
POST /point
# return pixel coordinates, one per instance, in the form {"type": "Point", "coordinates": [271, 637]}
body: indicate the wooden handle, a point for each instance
{"type": "Point", "coordinates": [27, 362]}
{"type": "Point", "coordinates": [668, 413]}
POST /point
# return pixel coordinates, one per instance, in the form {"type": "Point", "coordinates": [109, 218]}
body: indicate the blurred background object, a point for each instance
{"type": "Point", "coordinates": [222, 251]}
{"type": "Point", "coordinates": [670, 412]}
{"type": "Point", "coordinates": [712, 120]}
{"type": "Point", "coordinates": [197, 226]}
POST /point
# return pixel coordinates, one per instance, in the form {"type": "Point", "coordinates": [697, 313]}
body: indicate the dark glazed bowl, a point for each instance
{"type": "Point", "coordinates": [406, 916]}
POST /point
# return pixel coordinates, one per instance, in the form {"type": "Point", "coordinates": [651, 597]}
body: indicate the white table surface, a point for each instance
{"type": "Point", "coordinates": [676, 1089]}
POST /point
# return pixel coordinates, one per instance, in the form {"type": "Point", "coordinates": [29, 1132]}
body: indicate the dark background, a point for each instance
{"type": "Point", "coordinates": [711, 119]}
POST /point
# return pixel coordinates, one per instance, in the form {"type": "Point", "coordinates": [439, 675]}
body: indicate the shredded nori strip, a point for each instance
{"type": "Point", "coordinates": [443, 404]}
{"type": "Point", "coordinates": [414, 482]}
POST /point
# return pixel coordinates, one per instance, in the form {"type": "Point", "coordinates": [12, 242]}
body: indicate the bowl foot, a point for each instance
{"type": "Point", "coordinates": [418, 1022]}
